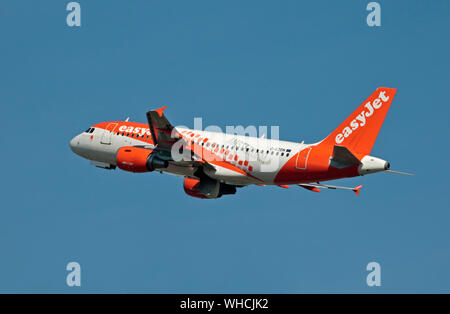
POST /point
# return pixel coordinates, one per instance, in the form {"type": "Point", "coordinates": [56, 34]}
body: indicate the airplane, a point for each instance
{"type": "Point", "coordinates": [214, 164]}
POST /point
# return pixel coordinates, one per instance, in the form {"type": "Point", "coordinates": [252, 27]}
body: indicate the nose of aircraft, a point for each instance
{"type": "Point", "coordinates": [74, 143]}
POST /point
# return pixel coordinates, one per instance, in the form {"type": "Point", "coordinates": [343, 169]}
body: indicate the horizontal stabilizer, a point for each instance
{"type": "Point", "coordinates": [342, 157]}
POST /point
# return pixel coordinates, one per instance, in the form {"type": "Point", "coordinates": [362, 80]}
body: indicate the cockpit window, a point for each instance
{"type": "Point", "coordinates": [92, 130]}
{"type": "Point", "coordinates": [87, 131]}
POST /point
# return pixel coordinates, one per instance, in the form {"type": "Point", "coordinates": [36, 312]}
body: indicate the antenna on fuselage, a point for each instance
{"type": "Point", "coordinates": [126, 120]}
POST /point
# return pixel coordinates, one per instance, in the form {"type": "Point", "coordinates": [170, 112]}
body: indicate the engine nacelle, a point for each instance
{"type": "Point", "coordinates": [191, 187]}
{"type": "Point", "coordinates": [207, 188]}
{"type": "Point", "coordinates": [136, 159]}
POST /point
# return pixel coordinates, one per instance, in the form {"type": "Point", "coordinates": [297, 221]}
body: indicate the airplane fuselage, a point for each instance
{"type": "Point", "coordinates": [240, 160]}
{"type": "Point", "coordinates": [216, 163]}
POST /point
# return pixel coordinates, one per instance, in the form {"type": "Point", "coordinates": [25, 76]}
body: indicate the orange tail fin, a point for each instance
{"type": "Point", "coordinates": [359, 131]}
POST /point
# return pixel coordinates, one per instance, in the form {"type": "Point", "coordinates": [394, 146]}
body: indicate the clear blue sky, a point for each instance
{"type": "Point", "coordinates": [301, 65]}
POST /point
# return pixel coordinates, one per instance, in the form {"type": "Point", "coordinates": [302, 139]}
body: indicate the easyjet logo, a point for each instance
{"type": "Point", "coordinates": [362, 118]}
{"type": "Point", "coordinates": [131, 129]}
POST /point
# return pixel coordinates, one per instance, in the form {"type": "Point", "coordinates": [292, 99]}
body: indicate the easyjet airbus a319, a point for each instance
{"type": "Point", "coordinates": [214, 164]}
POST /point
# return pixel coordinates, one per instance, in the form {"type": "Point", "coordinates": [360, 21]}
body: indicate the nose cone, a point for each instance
{"type": "Point", "coordinates": [74, 144]}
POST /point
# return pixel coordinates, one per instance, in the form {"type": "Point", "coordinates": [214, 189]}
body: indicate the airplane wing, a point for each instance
{"type": "Point", "coordinates": [315, 187]}
{"type": "Point", "coordinates": [164, 135]}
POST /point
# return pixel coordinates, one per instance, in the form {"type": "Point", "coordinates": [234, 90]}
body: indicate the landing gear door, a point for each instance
{"type": "Point", "coordinates": [106, 137]}
{"type": "Point", "coordinates": [302, 159]}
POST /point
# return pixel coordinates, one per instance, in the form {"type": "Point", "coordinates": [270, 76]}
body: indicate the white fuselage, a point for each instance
{"type": "Point", "coordinates": [259, 159]}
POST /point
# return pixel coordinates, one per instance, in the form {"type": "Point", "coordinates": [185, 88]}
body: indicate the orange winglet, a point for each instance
{"type": "Point", "coordinates": [160, 110]}
{"type": "Point", "coordinates": [356, 189]}
{"type": "Point", "coordinates": [284, 186]}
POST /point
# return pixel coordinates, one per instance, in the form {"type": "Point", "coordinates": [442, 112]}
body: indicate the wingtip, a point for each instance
{"type": "Point", "coordinates": [356, 189]}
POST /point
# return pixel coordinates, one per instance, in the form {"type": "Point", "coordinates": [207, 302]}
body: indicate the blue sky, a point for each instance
{"type": "Point", "coordinates": [304, 66]}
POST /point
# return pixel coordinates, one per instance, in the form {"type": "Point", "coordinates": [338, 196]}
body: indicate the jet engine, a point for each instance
{"type": "Point", "coordinates": [207, 188]}
{"type": "Point", "coordinates": [136, 159]}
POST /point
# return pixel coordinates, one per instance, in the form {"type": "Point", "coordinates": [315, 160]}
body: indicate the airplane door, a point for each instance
{"type": "Point", "coordinates": [302, 159]}
{"type": "Point", "coordinates": [106, 137]}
